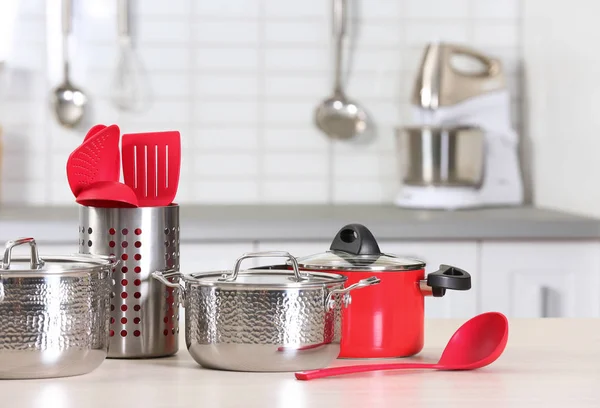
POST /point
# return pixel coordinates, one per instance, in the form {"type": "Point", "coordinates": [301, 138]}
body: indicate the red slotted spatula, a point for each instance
{"type": "Point", "coordinates": [94, 159]}
{"type": "Point", "coordinates": [151, 166]}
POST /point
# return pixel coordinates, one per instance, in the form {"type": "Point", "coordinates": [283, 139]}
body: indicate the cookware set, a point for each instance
{"type": "Point", "coordinates": [264, 320]}
{"type": "Point", "coordinates": [54, 313]}
{"type": "Point", "coordinates": [386, 321]}
{"type": "Point", "coordinates": [120, 295]}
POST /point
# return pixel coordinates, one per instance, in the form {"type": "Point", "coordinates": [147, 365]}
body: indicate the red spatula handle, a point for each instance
{"type": "Point", "coordinates": [333, 371]}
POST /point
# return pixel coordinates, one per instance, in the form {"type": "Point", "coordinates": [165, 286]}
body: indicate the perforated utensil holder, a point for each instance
{"type": "Point", "coordinates": [144, 321]}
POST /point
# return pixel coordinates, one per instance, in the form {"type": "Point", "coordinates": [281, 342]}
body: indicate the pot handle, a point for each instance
{"type": "Point", "coordinates": [347, 299]}
{"type": "Point", "coordinates": [268, 254]}
{"type": "Point", "coordinates": [163, 277]}
{"type": "Point", "coordinates": [355, 239]}
{"type": "Point", "coordinates": [447, 277]}
{"type": "Point", "coordinates": [35, 263]}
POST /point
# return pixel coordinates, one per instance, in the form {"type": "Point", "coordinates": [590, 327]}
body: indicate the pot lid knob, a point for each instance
{"type": "Point", "coordinates": [355, 239]}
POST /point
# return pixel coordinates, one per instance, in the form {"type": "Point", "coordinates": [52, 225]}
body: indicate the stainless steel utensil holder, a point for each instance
{"type": "Point", "coordinates": [144, 320]}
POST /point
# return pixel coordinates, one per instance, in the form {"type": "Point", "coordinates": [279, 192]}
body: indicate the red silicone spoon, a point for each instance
{"type": "Point", "coordinates": [96, 129]}
{"type": "Point", "coordinates": [108, 194]}
{"type": "Point", "coordinates": [94, 160]}
{"type": "Point", "coordinates": [477, 343]}
{"type": "Point", "coordinates": [93, 130]}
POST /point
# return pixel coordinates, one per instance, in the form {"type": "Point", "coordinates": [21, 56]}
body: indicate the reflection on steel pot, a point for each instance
{"type": "Point", "coordinates": [54, 313]}
{"type": "Point", "coordinates": [388, 320]}
{"type": "Point", "coordinates": [263, 320]}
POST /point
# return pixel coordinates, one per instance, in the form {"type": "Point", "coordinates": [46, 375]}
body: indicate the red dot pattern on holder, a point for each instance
{"type": "Point", "coordinates": [125, 256]}
{"type": "Point", "coordinates": [126, 300]}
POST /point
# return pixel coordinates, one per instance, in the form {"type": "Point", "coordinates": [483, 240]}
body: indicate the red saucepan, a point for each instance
{"type": "Point", "coordinates": [387, 320]}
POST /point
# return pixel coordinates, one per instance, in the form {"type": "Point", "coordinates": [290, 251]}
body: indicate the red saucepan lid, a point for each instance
{"type": "Point", "coordinates": [354, 248]}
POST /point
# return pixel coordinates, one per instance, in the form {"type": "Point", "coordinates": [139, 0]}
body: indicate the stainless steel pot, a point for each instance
{"type": "Point", "coordinates": [441, 156]}
{"type": "Point", "coordinates": [263, 320]}
{"type": "Point", "coordinates": [54, 313]}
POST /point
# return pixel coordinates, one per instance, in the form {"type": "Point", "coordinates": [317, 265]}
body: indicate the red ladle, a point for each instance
{"type": "Point", "coordinates": [108, 194]}
{"type": "Point", "coordinates": [477, 343]}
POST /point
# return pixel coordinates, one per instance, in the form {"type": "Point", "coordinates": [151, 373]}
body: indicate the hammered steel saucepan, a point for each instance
{"type": "Point", "coordinates": [54, 313]}
{"type": "Point", "coordinates": [263, 320]}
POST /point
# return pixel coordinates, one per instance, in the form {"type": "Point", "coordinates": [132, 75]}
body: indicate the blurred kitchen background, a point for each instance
{"type": "Point", "coordinates": [240, 79]}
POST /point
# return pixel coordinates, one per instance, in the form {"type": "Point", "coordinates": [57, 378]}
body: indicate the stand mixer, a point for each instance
{"type": "Point", "coordinates": [463, 151]}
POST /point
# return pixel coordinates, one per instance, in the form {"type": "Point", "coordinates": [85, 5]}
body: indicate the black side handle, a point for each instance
{"type": "Point", "coordinates": [282, 267]}
{"type": "Point", "coordinates": [355, 239]}
{"type": "Point", "coordinates": [448, 277]}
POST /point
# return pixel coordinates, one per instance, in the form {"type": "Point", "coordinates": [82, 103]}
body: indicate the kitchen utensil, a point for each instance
{"type": "Point", "coordinates": [476, 344]}
{"type": "Point", "coordinates": [54, 313]}
{"type": "Point", "coordinates": [385, 321]}
{"type": "Point", "coordinates": [108, 194]}
{"type": "Point", "coordinates": [240, 320]}
{"type": "Point", "coordinates": [462, 152]}
{"type": "Point", "coordinates": [93, 130]}
{"type": "Point", "coordinates": [94, 160]}
{"type": "Point", "coordinates": [151, 166]}
{"type": "Point", "coordinates": [70, 102]}
{"type": "Point", "coordinates": [441, 156]}
{"type": "Point", "coordinates": [144, 314]}
{"type": "Point", "coordinates": [97, 128]}
{"type": "Point", "coordinates": [128, 92]}
{"type": "Point", "coordinates": [337, 116]}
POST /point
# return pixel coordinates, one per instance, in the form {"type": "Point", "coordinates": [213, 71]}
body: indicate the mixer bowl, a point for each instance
{"type": "Point", "coordinates": [441, 156]}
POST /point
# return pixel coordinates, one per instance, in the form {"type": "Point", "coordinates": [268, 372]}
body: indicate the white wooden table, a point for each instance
{"type": "Point", "coordinates": [548, 363]}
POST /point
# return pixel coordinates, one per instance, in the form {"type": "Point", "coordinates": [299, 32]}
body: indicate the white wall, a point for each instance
{"type": "Point", "coordinates": [562, 102]}
{"type": "Point", "coordinates": [240, 80]}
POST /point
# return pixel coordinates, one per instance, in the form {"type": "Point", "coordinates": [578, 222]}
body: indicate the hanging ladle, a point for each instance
{"type": "Point", "coordinates": [477, 343]}
{"type": "Point", "coordinates": [337, 116]}
{"type": "Point", "coordinates": [69, 101]}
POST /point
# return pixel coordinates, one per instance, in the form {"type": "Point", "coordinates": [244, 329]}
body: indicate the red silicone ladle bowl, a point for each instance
{"type": "Point", "coordinates": [108, 194]}
{"type": "Point", "coordinates": [477, 343]}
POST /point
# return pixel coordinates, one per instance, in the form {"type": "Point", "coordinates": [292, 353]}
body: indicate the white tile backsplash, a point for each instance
{"type": "Point", "coordinates": [240, 79]}
{"type": "Point", "coordinates": [308, 85]}
{"type": "Point", "coordinates": [419, 33]}
{"type": "Point", "coordinates": [294, 139]}
{"type": "Point", "coordinates": [225, 59]}
{"type": "Point", "coordinates": [209, 86]}
{"type": "Point", "coordinates": [289, 112]}
{"type": "Point", "coordinates": [296, 32]}
{"type": "Point", "coordinates": [296, 9]}
{"type": "Point", "coordinates": [225, 192]}
{"type": "Point", "coordinates": [225, 139]}
{"type": "Point", "coordinates": [243, 9]}
{"type": "Point", "coordinates": [223, 33]}
{"type": "Point", "coordinates": [296, 192]}
{"type": "Point", "coordinates": [231, 112]}
{"type": "Point", "coordinates": [163, 32]}
{"type": "Point", "coordinates": [494, 9]}
{"type": "Point", "coordinates": [226, 165]}
{"type": "Point", "coordinates": [495, 35]}
{"type": "Point", "coordinates": [442, 9]}
{"type": "Point", "coordinates": [296, 166]}
{"type": "Point", "coordinates": [298, 60]}
{"type": "Point", "coordinates": [161, 9]}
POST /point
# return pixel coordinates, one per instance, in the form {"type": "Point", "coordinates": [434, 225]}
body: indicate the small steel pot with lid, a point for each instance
{"type": "Point", "coordinates": [386, 321]}
{"type": "Point", "coordinates": [263, 320]}
{"type": "Point", "coordinates": [54, 313]}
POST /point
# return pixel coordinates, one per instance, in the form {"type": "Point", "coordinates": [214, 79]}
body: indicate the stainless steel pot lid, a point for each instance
{"type": "Point", "coordinates": [53, 265]}
{"type": "Point", "coordinates": [354, 248]}
{"type": "Point", "coordinates": [265, 278]}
